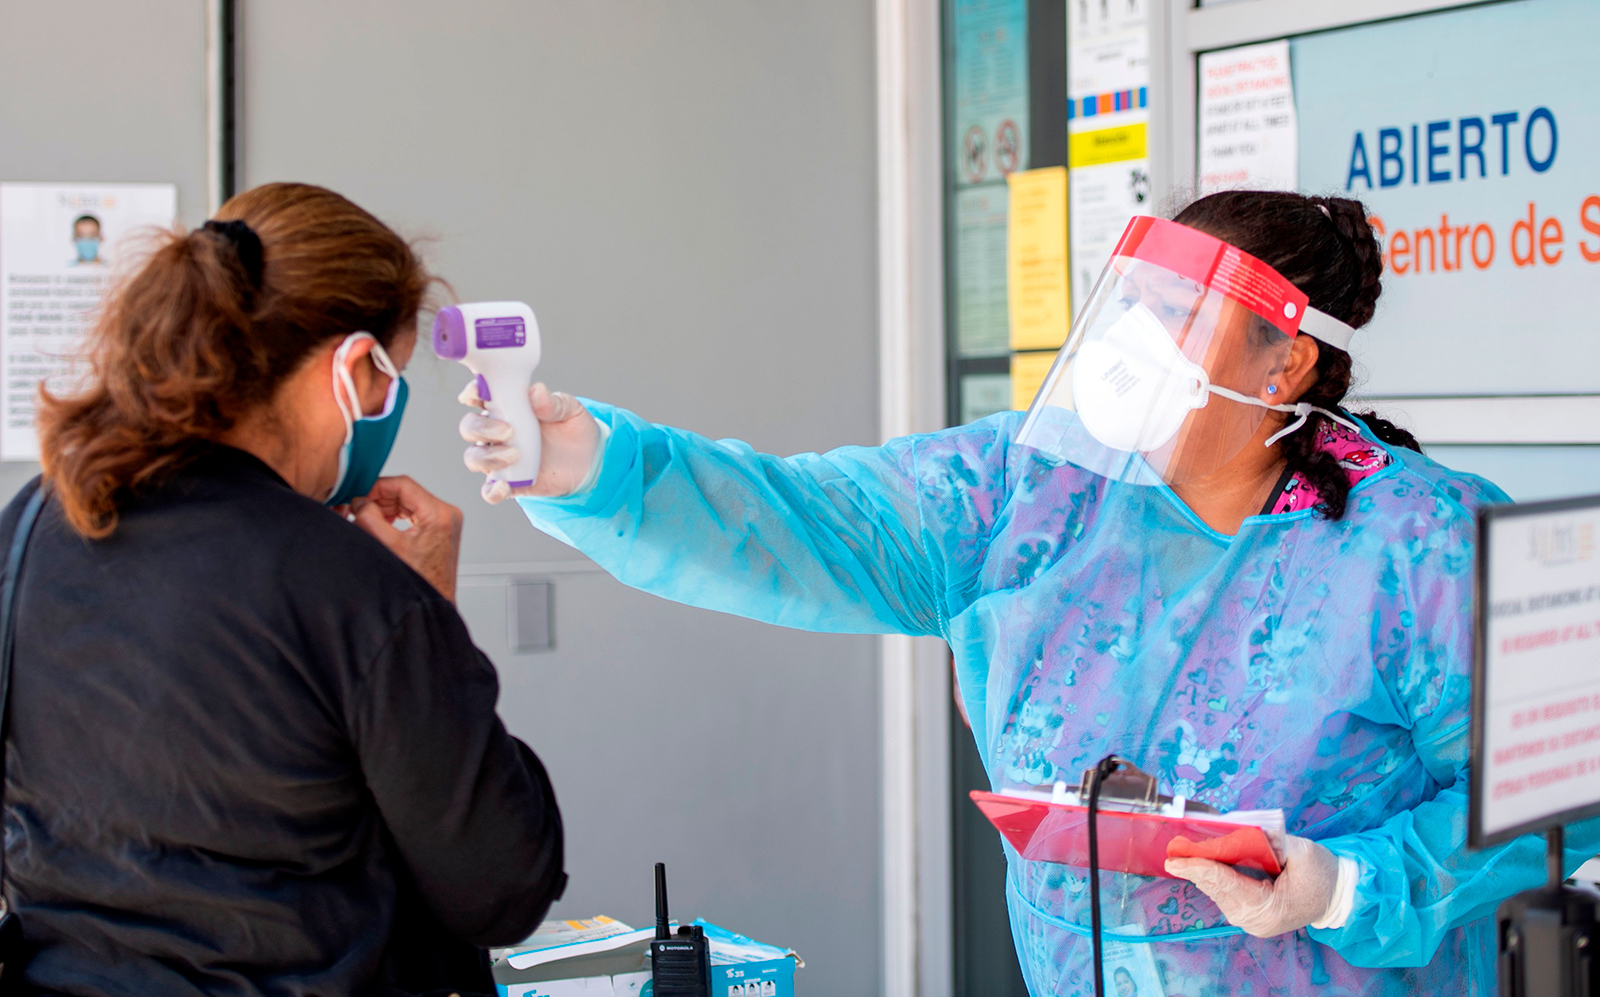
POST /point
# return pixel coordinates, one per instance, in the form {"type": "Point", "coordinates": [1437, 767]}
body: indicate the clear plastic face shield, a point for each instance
{"type": "Point", "coordinates": [1175, 360]}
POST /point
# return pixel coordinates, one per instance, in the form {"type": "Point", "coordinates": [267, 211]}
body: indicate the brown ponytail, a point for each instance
{"type": "Point", "coordinates": [203, 334]}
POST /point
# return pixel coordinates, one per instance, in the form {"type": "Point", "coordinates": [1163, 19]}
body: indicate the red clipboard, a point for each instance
{"type": "Point", "coordinates": [1139, 843]}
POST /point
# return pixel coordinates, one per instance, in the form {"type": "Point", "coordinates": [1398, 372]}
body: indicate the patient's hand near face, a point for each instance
{"type": "Point", "coordinates": [420, 529]}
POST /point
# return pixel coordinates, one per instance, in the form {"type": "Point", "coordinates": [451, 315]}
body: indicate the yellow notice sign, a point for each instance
{"type": "Point", "coordinates": [1106, 145]}
{"type": "Point", "coordinates": [1028, 371]}
{"type": "Point", "coordinates": [1036, 258]}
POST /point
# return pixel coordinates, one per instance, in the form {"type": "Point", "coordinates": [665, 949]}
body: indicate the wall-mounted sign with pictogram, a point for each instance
{"type": "Point", "coordinates": [1007, 147]}
{"type": "Point", "coordinates": [987, 137]}
{"type": "Point", "coordinates": [974, 155]}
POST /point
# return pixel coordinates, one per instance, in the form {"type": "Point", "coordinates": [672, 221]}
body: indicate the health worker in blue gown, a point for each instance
{"type": "Point", "coordinates": [1188, 553]}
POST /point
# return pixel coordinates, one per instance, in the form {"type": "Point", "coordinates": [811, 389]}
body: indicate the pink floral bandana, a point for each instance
{"type": "Point", "coordinates": [1359, 456]}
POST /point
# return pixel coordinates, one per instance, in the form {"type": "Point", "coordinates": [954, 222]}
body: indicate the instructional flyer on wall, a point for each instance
{"type": "Point", "coordinates": [980, 265]}
{"type": "Point", "coordinates": [60, 244]}
{"type": "Point", "coordinates": [1108, 59]}
{"type": "Point", "coordinates": [1249, 139]}
{"type": "Point", "coordinates": [1036, 259]}
{"type": "Point", "coordinates": [990, 138]}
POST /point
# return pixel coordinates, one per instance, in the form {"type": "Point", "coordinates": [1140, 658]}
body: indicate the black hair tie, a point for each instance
{"type": "Point", "coordinates": [245, 242]}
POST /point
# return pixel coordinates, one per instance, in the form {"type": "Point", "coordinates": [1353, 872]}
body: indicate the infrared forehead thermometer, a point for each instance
{"type": "Point", "coordinates": [499, 342]}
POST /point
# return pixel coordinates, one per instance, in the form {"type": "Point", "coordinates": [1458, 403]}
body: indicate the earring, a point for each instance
{"type": "Point", "coordinates": [1272, 389]}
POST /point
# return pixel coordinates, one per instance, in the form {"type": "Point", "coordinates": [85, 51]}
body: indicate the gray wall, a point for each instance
{"type": "Point", "coordinates": [103, 91]}
{"type": "Point", "coordinates": [685, 194]}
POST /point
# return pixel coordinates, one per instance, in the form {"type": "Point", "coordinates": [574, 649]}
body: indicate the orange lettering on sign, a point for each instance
{"type": "Point", "coordinates": [1433, 260]}
{"type": "Point", "coordinates": [1523, 226]}
{"type": "Point", "coordinates": [1400, 248]}
{"type": "Point", "coordinates": [1590, 225]}
{"type": "Point", "coordinates": [1550, 235]}
{"type": "Point", "coordinates": [1482, 262]}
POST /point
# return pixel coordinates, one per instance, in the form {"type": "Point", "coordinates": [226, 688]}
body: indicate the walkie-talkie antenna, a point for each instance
{"type": "Point", "coordinates": [661, 902]}
{"type": "Point", "coordinates": [679, 966]}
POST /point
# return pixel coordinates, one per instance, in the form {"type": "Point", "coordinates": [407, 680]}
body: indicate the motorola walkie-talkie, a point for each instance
{"type": "Point", "coordinates": [680, 966]}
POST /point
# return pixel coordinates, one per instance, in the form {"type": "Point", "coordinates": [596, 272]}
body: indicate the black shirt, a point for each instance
{"type": "Point", "coordinates": [252, 752]}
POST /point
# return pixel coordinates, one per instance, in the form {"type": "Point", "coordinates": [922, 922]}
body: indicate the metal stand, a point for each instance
{"type": "Point", "coordinates": [1548, 936]}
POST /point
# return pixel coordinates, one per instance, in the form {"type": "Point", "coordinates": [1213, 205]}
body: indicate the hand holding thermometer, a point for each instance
{"type": "Point", "coordinates": [499, 342]}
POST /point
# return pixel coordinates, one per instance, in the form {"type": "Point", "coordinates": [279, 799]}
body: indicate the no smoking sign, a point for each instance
{"type": "Point", "coordinates": [1007, 147]}
{"type": "Point", "coordinates": [974, 154]}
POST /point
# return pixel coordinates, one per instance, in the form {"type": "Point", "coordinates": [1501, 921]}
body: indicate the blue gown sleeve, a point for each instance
{"type": "Point", "coordinates": [1418, 879]}
{"type": "Point", "coordinates": [857, 540]}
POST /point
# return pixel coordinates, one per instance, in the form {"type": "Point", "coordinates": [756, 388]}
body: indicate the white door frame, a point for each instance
{"type": "Point", "coordinates": [915, 759]}
{"type": "Point", "coordinates": [216, 93]}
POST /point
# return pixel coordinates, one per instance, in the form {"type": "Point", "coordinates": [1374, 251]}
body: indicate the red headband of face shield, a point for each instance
{"type": "Point", "coordinates": [1212, 263]}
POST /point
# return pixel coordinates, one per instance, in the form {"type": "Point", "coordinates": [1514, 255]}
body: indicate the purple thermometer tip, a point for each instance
{"type": "Point", "coordinates": [449, 334]}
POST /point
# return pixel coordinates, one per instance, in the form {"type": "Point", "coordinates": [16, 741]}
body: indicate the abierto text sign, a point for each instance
{"type": "Point", "coordinates": [1471, 135]}
{"type": "Point", "coordinates": [1537, 715]}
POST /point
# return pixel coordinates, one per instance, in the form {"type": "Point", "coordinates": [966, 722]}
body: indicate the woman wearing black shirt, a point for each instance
{"type": "Point", "coordinates": [251, 746]}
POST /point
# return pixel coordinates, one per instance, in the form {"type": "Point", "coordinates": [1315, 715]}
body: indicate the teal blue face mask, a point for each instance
{"type": "Point", "coordinates": [88, 249]}
{"type": "Point", "coordinates": [367, 438]}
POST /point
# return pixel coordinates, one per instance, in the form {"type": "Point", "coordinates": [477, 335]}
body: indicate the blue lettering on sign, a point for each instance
{"type": "Point", "coordinates": [1472, 148]}
{"type": "Point", "coordinates": [1358, 164]}
{"type": "Point", "coordinates": [1539, 113]}
{"type": "Point", "coordinates": [1387, 154]}
{"type": "Point", "coordinates": [1413, 154]}
{"type": "Point", "coordinates": [1435, 150]}
{"type": "Point", "coordinates": [1432, 144]}
{"type": "Point", "coordinates": [1503, 122]}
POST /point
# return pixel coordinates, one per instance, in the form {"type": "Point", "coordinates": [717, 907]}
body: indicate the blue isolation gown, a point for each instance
{"type": "Point", "coordinates": [1318, 667]}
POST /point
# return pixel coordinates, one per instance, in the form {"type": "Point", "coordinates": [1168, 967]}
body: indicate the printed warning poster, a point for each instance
{"type": "Point", "coordinates": [1036, 259]}
{"type": "Point", "coordinates": [1249, 138]}
{"type": "Point", "coordinates": [60, 246]}
{"type": "Point", "coordinates": [1541, 667]}
{"type": "Point", "coordinates": [980, 271]}
{"type": "Point", "coordinates": [989, 140]}
{"type": "Point", "coordinates": [1028, 371]}
{"type": "Point", "coordinates": [1108, 60]}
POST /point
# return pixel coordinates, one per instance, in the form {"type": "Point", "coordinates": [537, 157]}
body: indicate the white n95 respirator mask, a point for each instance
{"type": "Point", "coordinates": [1134, 387]}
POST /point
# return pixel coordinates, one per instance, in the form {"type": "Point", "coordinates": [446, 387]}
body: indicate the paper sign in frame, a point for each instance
{"type": "Point", "coordinates": [1477, 837]}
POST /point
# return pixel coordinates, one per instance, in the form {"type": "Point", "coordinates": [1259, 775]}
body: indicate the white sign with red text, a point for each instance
{"type": "Point", "coordinates": [1541, 708]}
{"type": "Point", "coordinates": [1249, 137]}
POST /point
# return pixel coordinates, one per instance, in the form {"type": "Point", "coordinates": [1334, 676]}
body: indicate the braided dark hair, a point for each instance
{"type": "Point", "coordinates": [1323, 246]}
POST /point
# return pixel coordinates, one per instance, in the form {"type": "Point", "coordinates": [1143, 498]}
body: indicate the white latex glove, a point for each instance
{"type": "Point", "coordinates": [1315, 889]}
{"type": "Point", "coordinates": [570, 444]}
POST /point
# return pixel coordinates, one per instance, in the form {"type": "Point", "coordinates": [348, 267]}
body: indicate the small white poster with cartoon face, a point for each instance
{"type": "Point", "coordinates": [62, 246]}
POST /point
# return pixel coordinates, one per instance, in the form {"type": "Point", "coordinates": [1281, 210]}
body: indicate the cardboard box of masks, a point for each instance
{"type": "Point", "coordinates": [602, 957]}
